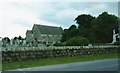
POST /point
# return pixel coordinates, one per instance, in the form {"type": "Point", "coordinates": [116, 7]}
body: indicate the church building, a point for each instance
{"type": "Point", "coordinates": [43, 35]}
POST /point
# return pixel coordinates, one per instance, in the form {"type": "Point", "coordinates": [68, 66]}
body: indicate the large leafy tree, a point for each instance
{"type": "Point", "coordinates": [84, 25]}
{"type": "Point", "coordinates": [95, 29]}
{"type": "Point", "coordinates": [69, 33]}
{"type": "Point", "coordinates": [103, 27]}
{"type": "Point", "coordinates": [84, 20]}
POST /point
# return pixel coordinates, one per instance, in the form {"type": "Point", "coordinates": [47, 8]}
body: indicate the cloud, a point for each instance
{"type": "Point", "coordinates": [67, 13]}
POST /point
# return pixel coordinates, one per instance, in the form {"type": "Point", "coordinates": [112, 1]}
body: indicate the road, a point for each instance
{"type": "Point", "coordinates": [97, 65]}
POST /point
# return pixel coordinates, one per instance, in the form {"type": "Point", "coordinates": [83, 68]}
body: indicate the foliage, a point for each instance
{"type": "Point", "coordinates": [84, 20]}
{"type": "Point", "coordinates": [20, 38]}
{"type": "Point", "coordinates": [99, 29]}
{"type": "Point", "coordinates": [103, 27]}
{"type": "Point", "coordinates": [5, 41]}
{"type": "Point", "coordinates": [69, 33]}
{"type": "Point", "coordinates": [77, 41]}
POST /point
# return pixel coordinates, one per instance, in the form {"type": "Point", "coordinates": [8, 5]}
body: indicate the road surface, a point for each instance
{"type": "Point", "coordinates": [98, 65]}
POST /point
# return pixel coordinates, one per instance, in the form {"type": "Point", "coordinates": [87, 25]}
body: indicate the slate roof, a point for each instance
{"type": "Point", "coordinates": [50, 29]}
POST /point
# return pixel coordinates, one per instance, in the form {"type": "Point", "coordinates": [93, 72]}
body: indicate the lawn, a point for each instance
{"type": "Point", "coordinates": [52, 61]}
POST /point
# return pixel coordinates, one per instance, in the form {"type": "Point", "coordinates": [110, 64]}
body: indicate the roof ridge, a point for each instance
{"type": "Point", "coordinates": [46, 25]}
{"type": "Point", "coordinates": [44, 29]}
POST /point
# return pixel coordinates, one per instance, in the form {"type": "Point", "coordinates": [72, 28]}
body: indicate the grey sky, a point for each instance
{"type": "Point", "coordinates": [18, 16]}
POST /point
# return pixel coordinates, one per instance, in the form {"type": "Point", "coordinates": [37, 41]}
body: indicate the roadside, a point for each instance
{"type": "Point", "coordinates": [96, 65]}
{"type": "Point", "coordinates": [52, 61]}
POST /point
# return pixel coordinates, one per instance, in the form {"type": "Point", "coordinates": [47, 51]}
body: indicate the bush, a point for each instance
{"type": "Point", "coordinates": [77, 41]}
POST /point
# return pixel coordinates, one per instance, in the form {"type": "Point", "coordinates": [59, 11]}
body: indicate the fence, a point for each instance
{"type": "Point", "coordinates": [23, 53]}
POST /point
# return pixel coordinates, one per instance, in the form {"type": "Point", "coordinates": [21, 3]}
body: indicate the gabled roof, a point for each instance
{"type": "Point", "coordinates": [50, 29]}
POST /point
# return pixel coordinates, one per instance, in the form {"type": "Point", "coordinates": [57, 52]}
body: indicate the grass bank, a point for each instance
{"type": "Point", "coordinates": [52, 61]}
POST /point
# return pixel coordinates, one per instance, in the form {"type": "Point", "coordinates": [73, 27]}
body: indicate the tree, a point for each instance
{"type": "Point", "coordinates": [73, 31]}
{"type": "Point", "coordinates": [84, 20]}
{"type": "Point", "coordinates": [84, 25]}
{"type": "Point", "coordinates": [15, 38]}
{"type": "Point", "coordinates": [69, 33]}
{"type": "Point", "coordinates": [97, 30]}
{"type": "Point", "coordinates": [103, 27]}
{"type": "Point", "coordinates": [5, 41]}
{"type": "Point", "coordinates": [64, 35]}
{"type": "Point", "coordinates": [20, 38]}
{"type": "Point", "coordinates": [77, 41]}
{"type": "Point", "coordinates": [72, 27]}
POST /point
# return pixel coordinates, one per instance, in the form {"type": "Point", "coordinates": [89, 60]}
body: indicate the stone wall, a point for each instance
{"type": "Point", "coordinates": [51, 52]}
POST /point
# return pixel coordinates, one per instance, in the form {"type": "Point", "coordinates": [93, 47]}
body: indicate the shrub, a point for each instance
{"type": "Point", "coordinates": [77, 41]}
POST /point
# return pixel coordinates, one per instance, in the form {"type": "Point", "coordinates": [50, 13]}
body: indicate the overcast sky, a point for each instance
{"type": "Point", "coordinates": [17, 16]}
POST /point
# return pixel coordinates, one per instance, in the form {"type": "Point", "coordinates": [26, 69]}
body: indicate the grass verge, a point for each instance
{"type": "Point", "coordinates": [52, 61]}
